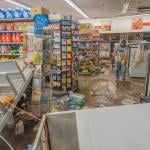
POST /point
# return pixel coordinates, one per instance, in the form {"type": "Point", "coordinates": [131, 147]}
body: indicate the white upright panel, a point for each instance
{"type": "Point", "coordinates": [140, 69]}
{"type": "Point", "coordinates": [115, 128]}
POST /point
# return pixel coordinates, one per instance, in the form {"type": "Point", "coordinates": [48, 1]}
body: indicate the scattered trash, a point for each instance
{"type": "Point", "coordinates": [19, 129]}
{"type": "Point", "coordinates": [29, 147]}
{"type": "Point", "coordinates": [128, 102]}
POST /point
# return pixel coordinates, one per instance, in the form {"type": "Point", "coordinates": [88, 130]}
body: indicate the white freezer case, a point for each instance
{"type": "Point", "coordinates": [138, 70]}
{"type": "Point", "coordinates": [109, 128]}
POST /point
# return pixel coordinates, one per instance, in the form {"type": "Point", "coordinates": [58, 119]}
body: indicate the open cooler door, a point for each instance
{"type": "Point", "coordinates": [145, 97]}
{"type": "Point", "coordinates": [138, 69]}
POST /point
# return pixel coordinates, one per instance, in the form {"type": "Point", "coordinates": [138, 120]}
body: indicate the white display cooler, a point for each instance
{"type": "Point", "coordinates": [109, 128]}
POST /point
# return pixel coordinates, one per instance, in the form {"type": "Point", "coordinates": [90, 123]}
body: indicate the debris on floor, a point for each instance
{"type": "Point", "coordinates": [101, 90]}
{"type": "Point", "coordinates": [128, 102]}
{"type": "Point", "coordinates": [73, 102]}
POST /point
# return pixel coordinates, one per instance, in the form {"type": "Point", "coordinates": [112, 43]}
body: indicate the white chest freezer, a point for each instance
{"type": "Point", "coordinates": [111, 128]}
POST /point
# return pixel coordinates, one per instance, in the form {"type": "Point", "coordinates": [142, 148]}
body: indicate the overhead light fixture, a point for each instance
{"type": "Point", "coordinates": [125, 6]}
{"type": "Point", "coordinates": [77, 8]}
{"type": "Point", "coordinates": [18, 4]}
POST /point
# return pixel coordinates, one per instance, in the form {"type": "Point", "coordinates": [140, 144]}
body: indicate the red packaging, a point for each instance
{"type": "Point", "coordinates": [21, 37]}
{"type": "Point", "coordinates": [18, 38]}
{"type": "Point", "coordinates": [3, 37]}
{"type": "Point", "coordinates": [0, 37]}
{"type": "Point", "coordinates": [14, 37]}
{"type": "Point", "coordinates": [8, 37]}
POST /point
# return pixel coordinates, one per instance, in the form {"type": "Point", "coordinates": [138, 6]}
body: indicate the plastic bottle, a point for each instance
{"type": "Point", "coordinates": [3, 37]}
{"type": "Point", "coordinates": [10, 13]}
{"type": "Point", "coordinates": [2, 14]}
{"type": "Point", "coordinates": [18, 13]}
{"type": "Point", "coordinates": [26, 13]}
{"type": "Point", "coordinates": [8, 37]}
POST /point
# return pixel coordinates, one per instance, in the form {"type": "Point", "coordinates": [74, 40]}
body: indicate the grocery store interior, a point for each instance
{"type": "Point", "coordinates": [74, 74]}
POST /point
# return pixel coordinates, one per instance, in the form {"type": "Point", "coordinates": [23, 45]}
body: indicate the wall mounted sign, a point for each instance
{"type": "Point", "coordinates": [137, 23]}
{"type": "Point", "coordinates": [41, 19]}
{"type": "Point", "coordinates": [86, 28]}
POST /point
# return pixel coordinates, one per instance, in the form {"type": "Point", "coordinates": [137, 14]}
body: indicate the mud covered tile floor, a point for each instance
{"type": "Point", "coordinates": [101, 90]}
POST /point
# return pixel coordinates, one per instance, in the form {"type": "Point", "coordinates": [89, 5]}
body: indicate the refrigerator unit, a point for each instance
{"type": "Point", "coordinates": [138, 70]}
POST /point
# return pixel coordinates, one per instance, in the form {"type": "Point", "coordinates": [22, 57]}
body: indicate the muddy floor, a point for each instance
{"type": "Point", "coordinates": [101, 90]}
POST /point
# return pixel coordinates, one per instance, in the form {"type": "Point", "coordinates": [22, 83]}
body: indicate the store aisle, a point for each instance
{"type": "Point", "coordinates": [101, 91]}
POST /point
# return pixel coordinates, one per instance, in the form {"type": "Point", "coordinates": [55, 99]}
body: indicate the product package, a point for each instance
{"type": "Point", "coordinates": [37, 84]}
{"type": "Point", "coordinates": [38, 71]}
{"type": "Point", "coordinates": [37, 57]}
{"type": "Point", "coordinates": [2, 14]}
{"type": "Point", "coordinates": [46, 70]}
{"type": "Point", "coordinates": [36, 98]}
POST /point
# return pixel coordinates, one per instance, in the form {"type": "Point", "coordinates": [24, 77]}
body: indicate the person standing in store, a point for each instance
{"type": "Point", "coordinates": [121, 57]}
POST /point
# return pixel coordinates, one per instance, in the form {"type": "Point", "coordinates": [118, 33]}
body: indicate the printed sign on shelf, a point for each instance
{"type": "Point", "coordinates": [106, 25]}
{"type": "Point", "coordinates": [41, 19]}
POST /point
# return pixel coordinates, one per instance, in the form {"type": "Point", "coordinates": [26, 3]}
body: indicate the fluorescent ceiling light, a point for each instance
{"type": "Point", "coordinates": [125, 6]}
{"type": "Point", "coordinates": [77, 8]}
{"type": "Point", "coordinates": [18, 4]}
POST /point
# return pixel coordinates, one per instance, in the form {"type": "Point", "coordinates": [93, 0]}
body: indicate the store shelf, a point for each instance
{"type": "Point", "coordinates": [12, 54]}
{"type": "Point", "coordinates": [12, 31]}
{"type": "Point", "coordinates": [12, 43]}
{"type": "Point", "coordinates": [86, 41]}
{"type": "Point", "coordinates": [17, 20]}
{"type": "Point", "coordinates": [17, 80]}
{"type": "Point", "coordinates": [21, 90]}
{"type": "Point", "coordinates": [86, 33]}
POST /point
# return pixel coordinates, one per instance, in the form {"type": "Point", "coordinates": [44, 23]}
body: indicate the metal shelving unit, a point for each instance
{"type": "Point", "coordinates": [12, 31]}
{"type": "Point", "coordinates": [16, 20]}
{"type": "Point", "coordinates": [14, 79]}
{"type": "Point", "coordinates": [12, 43]}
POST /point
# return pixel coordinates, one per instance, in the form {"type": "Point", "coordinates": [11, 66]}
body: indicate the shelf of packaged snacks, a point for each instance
{"type": "Point", "coordinates": [12, 54]}
{"type": "Point", "coordinates": [88, 41]}
{"type": "Point", "coordinates": [18, 87]}
{"type": "Point", "coordinates": [11, 43]}
{"type": "Point", "coordinates": [85, 33]}
{"type": "Point", "coordinates": [17, 20]}
{"type": "Point", "coordinates": [12, 32]}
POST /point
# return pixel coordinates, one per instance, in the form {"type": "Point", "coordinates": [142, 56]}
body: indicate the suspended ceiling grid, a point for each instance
{"type": "Point", "coordinates": [93, 8]}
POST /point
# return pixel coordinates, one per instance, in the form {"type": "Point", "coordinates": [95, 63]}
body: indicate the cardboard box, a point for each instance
{"type": "Point", "coordinates": [39, 10]}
